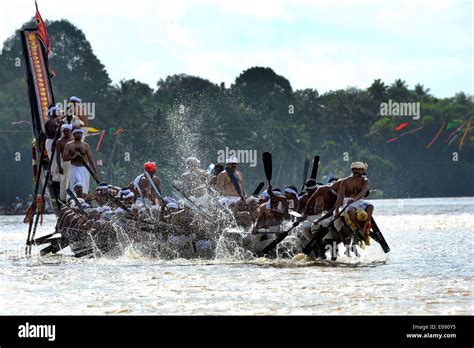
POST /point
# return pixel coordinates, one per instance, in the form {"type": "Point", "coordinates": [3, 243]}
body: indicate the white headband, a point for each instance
{"type": "Point", "coordinates": [77, 130]}
{"type": "Point", "coordinates": [232, 159]}
{"type": "Point", "coordinates": [172, 206]}
{"type": "Point", "coordinates": [290, 190]}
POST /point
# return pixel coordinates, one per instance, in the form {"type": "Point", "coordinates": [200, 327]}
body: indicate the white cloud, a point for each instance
{"type": "Point", "coordinates": [332, 44]}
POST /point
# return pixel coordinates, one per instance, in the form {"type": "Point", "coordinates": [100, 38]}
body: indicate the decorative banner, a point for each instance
{"type": "Point", "coordinates": [454, 131]}
{"type": "Point", "coordinates": [401, 126]}
{"type": "Point", "coordinates": [468, 127]}
{"type": "Point", "coordinates": [401, 135]}
{"type": "Point", "coordinates": [450, 125]}
{"type": "Point", "coordinates": [436, 136]}
{"type": "Point", "coordinates": [37, 76]}
{"type": "Point", "coordinates": [120, 130]}
{"type": "Point", "coordinates": [100, 140]}
{"type": "Point", "coordinates": [92, 130]}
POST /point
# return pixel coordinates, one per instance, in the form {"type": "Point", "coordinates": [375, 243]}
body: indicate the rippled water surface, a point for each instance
{"type": "Point", "coordinates": [428, 271]}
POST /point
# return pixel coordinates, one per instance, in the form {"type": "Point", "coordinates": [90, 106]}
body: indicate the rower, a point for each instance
{"type": "Point", "coordinates": [74, 152]}
{"type": "Point", "coordinates": [140, 186]}
{"type": "Point", "coordinates": [351, 193]}
{"type": "Point", "coordinates": [218, 168]}
{"type": "Point", "coordinates": [273, 211]}
{"type": "Point", "coordinates": [63, 166]}
{"type": "Point", "coordinates": [310, 188]}
{"type": "Point", "coordinates": [292, 197]}
{"type": "Point", "coordinates": [78, 190]}
{"type": "Point", "coordinates": [224, 183]}
{"type": "Point", "coordinates": [127, 197]}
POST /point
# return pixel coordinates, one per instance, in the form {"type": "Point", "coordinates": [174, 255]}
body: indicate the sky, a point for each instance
{"type": "Point", "coordinates": [324, 45]}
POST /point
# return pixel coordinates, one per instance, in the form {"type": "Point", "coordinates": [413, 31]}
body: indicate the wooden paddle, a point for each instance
{"type": "Point", "coordinates": [258, 189]}
{"type": "Point", "coordinates": [378, 236]}
{"type": "Point", "coordinates": [267, 162]}
{"type": "Point", "coordinates": [234, 181]}
{"type": "Point", "coordinates": [267, 165]}
{"type": "Point", "coordinates": [314, 171]}
{"type": "Point", "coordinates": [305, 173]}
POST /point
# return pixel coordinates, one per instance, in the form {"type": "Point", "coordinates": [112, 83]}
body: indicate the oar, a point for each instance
{"type": "Point", "coordinates": [233, 179]}
{"type": "Point", "coordinates": [278, 239]}
{"type": "Point", "coordinates": [305, 173]}
{"type": "Point", "coordinates": [152, 183]}
{"type": "Point", "coordinates": [258, 189]}
{"type": "Point", "coordinates": [45, 184]}
{"type": "Point", "coordinates": [267, 165]}
{"type": "Point", "coordinates": [267, 161]}
{"type": "Point", "coordinates": [378, 236]}
{"type": "Point", "coordinates": [315, 239]}
{"type": "Point", "coordinates": [74, 198]}
{"type": "Point", "coordinates": [33, 204]}
{"type": "Point", "coordinates": [108, 194]}
{"type": "Point", "coordinates": [314, 171]}
{"type": "Point", "coordinates": [198, 208]}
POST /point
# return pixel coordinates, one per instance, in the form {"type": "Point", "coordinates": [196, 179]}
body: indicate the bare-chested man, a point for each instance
{"type": "Point", "coordinates": [76, 151]}
{"type": "Point", "coordinates": [310, 186]}
{"type": "Point", "coordinates": [323, 199]}
{"type": "Point", "coordinates": [51, 127]}
{"type": "Point", "coordinates": [224, 183]}
{"type": "Point", "coordinates": [63, 166]}
{"type": "Point", "coordinates": [352, 191]}
{"type": "Point", "coordinates": [273, 211]}
{"type": "Point", "coordinates": [142, 187]}
{"type": "Point", "coordinates": [76, 109]}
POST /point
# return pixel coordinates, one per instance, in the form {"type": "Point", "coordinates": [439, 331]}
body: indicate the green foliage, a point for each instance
{"type": "Point", "coordinates": [189, 115]}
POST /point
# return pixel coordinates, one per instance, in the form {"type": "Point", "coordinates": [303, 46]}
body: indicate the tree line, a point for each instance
{"type": "Point", "coordinates": [260, 111]}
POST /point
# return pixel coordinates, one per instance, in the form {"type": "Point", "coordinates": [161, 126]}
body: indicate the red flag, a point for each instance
{"type": "Point", "coordinates": [42, 33]}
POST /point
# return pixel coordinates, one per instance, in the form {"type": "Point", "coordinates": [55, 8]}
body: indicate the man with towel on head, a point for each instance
{"type": "Point", "coordinates": [76, 151]}
{"type": "Point", "coordinates": [63, 166]}
{"type": "Point", "coordinates": [351, 192]}
{"type": "Point", "coordinates": [224, 183]}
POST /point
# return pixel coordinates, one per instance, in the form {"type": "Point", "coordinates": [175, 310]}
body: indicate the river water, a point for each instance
{"type": "Point", "coordinates": [428, 271]}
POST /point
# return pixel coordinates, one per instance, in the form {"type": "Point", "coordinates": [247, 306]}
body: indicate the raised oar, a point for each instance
{"type": "Point", "coordinates": [314, 171]}
{"type": "Point", "coordinates": [305, 173]}
{"type": "Point", "coordinates": [115, 199]}
{"type": "Point", "coordinates": [152, 183]}
{"type": "Point", "coordinates": [267, 165]}
{"type": "Point", "coordinates": [233, 179]}
{"type": "Point", "coordinates": [378, 236]}
{"type": "Point", "coordinates": [283, 235]}
{"type": "Point", "coordinates": [258, 189]}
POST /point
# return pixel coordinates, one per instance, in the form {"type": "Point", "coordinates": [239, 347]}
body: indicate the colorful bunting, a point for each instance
{"type": "Point", "coordinates": [401, 126]}
{"type": "Point", "coordinates": [401, 135]}
{"type": "Point", "coordinates": [468, 127]}
{"type": "Point", "coordinates": [436, 136]}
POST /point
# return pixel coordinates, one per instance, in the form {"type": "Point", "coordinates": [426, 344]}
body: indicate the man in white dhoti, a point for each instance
{"type": "Point", "coordinates": [76, 152]}
{"type": "Point", "coordinates": [63, 166]}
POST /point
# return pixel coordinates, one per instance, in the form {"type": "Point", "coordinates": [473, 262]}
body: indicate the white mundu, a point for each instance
{"type": "Point", "coordinates": [79, 174]}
